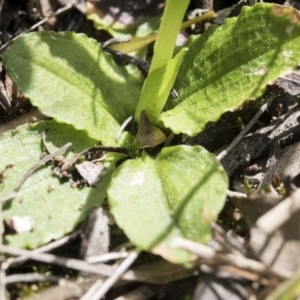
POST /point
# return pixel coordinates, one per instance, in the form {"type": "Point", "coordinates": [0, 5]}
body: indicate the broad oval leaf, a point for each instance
{"type": "Point", "coordinates": [68, 77]}
{"type": "Point", "coordinates": [54, 208]}
{"type": "Point", "coordinates": [178, 193]}
{"type": "Point", "coordinates": [230, 64]}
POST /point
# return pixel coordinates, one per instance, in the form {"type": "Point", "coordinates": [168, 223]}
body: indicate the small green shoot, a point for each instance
{"type": "Point", "coordinates": [168, 32]}
{"type": "Point", "coordinates": [161, 77]}
{"type": "Point", "coordinates": [247, 186]}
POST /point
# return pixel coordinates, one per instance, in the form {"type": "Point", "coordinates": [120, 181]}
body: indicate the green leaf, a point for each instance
{"type": "Point", "coordinates": [71, 79]}
{"type": "Point", "coordinates": [178, 193]}
{"type": "Point", "coordinates": [230, 64]}
{"type": "Point", "coordinates": [54, 208]}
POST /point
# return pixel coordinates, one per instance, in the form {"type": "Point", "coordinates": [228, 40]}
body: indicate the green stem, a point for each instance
{"type": "Point", "coordinates": [151, 101]}
{"type": "Point", "coordinates": [168, 32]}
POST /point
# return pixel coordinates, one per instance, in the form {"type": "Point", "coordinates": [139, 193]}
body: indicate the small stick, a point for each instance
{"type": "Point", "coordinates": [44, 135]}
{"type": "Point", "coordinates": [240, 273]}
{"type": "Point", "coordinates": [2, 281]}
{"type": "Point", "coordinates": [107, 256]}
{"type": "Point", "coordinates": [229, 243]}
{"type": "Point", "coordinates": [79, 265]}
{"type": "Point", "coordinates": [94, 148]}
{"type": "Point", "coordinates": [30, 117]}
{"type": "Point", "coordinates": [169, 139]}
{"type": "Point", "coordinates": [122, 127]}
{"type": "Point", "coordinates": [271, 166]}
{"type": "Point", "coordinates": [58, 12]}
{"type": "Point", "coordinates": [278, 215]}
{"type": "Point", "coordinates": [1, 215]}
{"type": "Point", "coordinates": [33, 169]}
{"type": "Point", "coordinates": [124, 58]}
{"type": "Point", "coordinates": [238, 195]}
{"type": "Point", "coordinates": [276, 138]}
{"type": "Point", "coordinates": [210, 256]}
{"type": "Point", "coordinates": [141, 293]}
{"type": "Point", "coordinates": [92, 290]}
{"type": "Point", "coordinates": [49, 247]}
{"type": "Point", "coordinates": [109, 282]}
{"type": "Point", "coordinates": [246, 129]}
{"type": "Point", "coordinates": [29, 277]}
{"type": "Point", "coordinates": [1, 6]}
{"type": "Point", "coordinates": [166, 274]}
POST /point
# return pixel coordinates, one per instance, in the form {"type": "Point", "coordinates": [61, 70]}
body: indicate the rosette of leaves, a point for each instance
{"type": "Point", "coordinates": [173, 191]}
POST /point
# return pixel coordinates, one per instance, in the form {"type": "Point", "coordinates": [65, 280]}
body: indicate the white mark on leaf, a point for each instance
{"type": "Point", "coordinates": [287, 54]}
{"type": "Point", "coordinates": [20, 224]}
{"type": "Point", "coordinates": [289, 29]}
{"type": "Point", "coordinates": [137, 178]}
{"type": "Point", "coordinates": [15, 74]}
{"type": "Point", "coordinates": [261, 71]}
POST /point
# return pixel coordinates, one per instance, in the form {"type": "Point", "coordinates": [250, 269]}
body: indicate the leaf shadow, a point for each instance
{"type": "Point", "coordinates": [179, 210]}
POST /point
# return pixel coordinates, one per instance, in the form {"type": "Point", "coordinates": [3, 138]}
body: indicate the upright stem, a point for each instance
{"type": "Point", "coordinates": [168, 32]}
{"type": "Point", "coordinates": [163, 52]}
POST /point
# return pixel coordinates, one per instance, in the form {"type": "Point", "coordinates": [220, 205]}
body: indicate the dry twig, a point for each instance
{"type": "Point", "coordinates": [210, 256]}
{"type": "Point", "coordinates": [46, 19]}
{"type": "Point", "coordinates": [109, 282]}
{"type": "Point", "coordinates": [281, 213]}
{"type": "Point", "coordinates": [143, 292]}
{"type": "Point", "coordinates": [30, 277]}
{"type": "Point", "coordinates": [107, 257]}
{"type": "Point", "coordinates": [2, 281]}
{"type": "Point", "coordinates": [247, 128]}
{"type": "Point", "coordinates": [49, 247]}
{"type": "Point", "coordinates": [32, 170]}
